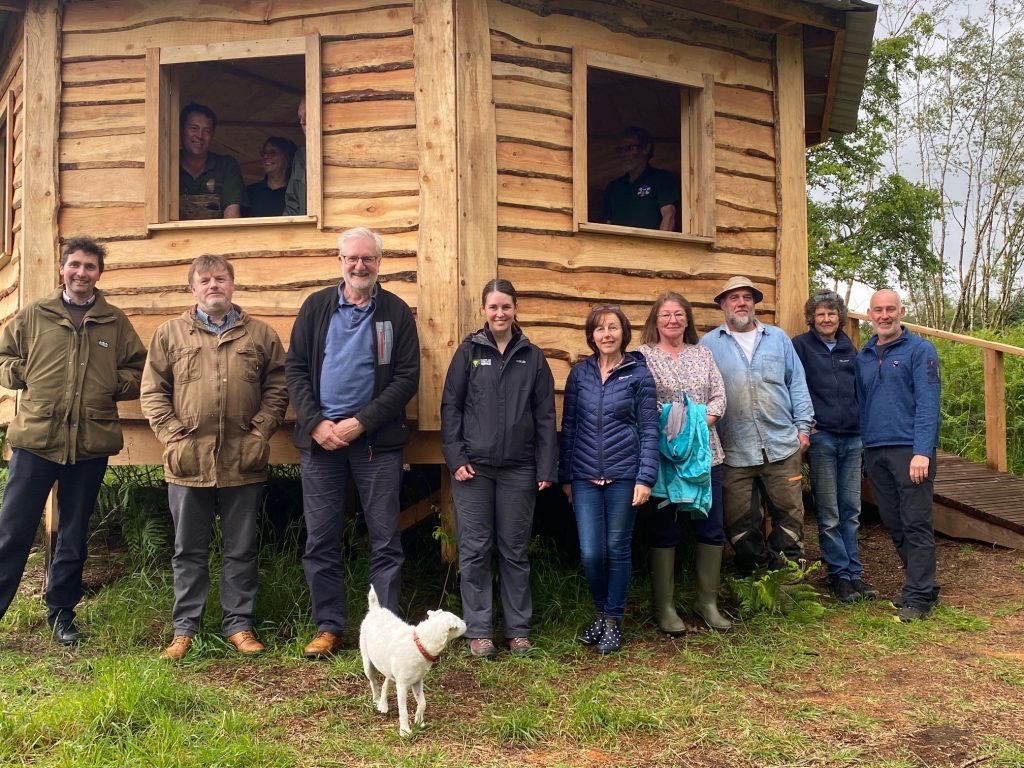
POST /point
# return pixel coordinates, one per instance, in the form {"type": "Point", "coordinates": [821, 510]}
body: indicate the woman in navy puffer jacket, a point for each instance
{"type": "Point", "coordinates": [608, 463]}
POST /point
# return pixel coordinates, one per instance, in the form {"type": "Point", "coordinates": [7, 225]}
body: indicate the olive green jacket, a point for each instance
{"type": "Point", "coordinates": [204, 393]}
{"type": "Point", "coordinates": [70, 379]}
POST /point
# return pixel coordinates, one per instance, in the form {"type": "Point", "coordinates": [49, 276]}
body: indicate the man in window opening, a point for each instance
{"type": "Point", "coordinates": [643, 197]}
{"type": "Point", "coordinates": [74, 356]}
{"type": "Point", "coordinates": [295, 193]}
{"type": "Point", "coordinates": [214, 392]}
{"type": "Point", "coordinates": [210, 186]}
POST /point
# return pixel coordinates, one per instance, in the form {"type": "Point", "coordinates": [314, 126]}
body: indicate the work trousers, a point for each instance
{"type": "Point", "coordinates": [744, 520]}
{"type": "Point", "coordinates": [495, 507]}
{"type": "Point", "coordinates": [378, 479]}
{"type": "Point", "coordinates": [30, 479]}
{"type": "Point", "coordinates": [193, 511]}
{"type": "Point", "coordinates": [906, 510]}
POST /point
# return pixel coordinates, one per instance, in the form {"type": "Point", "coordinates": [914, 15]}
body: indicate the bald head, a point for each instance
{"type": "Point", "coordinates": [885, 312]}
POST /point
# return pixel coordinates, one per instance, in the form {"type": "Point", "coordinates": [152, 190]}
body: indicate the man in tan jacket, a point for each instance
{"type": "Point", "coordinates": [73, 356]}
{"type": "Point", "coordinates": [214, 392]}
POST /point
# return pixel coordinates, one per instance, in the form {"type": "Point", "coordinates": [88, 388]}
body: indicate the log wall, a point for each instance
{"type": "Point", "coordinates": [559, 274]}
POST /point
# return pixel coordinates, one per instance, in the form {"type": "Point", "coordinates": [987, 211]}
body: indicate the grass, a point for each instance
{"type": "Point", "coordinates": [836, 686]}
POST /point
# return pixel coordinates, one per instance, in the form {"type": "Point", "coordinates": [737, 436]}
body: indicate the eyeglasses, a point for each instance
{"type": "Point", "coordinates": [353, 260]}
{"type": "Point", "coordinates": [671, 315]}
{"type": "Point", "coordinates": [626, 148]}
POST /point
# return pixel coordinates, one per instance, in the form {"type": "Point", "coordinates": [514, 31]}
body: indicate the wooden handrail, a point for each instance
{"type": "Point", "coordinates": [995, 383]}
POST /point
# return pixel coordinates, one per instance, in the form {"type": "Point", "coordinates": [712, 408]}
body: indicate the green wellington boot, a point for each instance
{"type": "Point", "coordinates": [708, 562]}
{"type": "Point", "coordinates": [663, 589]}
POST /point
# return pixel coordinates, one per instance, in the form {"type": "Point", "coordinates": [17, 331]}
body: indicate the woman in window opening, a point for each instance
{"type": "Point", "coordinates": [681, 368]}
{"type": "Point", "coordinates": [266, 196]}
{"type": "Point", "coordinates": [608, 464]}
{"type": "Point", "coordinates": [498, 439]}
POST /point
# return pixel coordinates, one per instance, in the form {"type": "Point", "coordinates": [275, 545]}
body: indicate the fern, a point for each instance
{"type": "Point", "coordinates": [781, 592]}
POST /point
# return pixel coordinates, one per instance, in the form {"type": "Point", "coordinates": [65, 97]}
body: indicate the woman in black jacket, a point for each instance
{"type": "Point", "coordinates": [498, 439]}
{"type": "Point", "coordinates": [608, 464]}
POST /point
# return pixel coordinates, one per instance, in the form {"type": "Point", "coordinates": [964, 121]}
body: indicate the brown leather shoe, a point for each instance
{"type": "Point", "coordinates": [179, 646]}
{"type": "Point", "coordinates": [323, 645]}
{"type": "Point", "coordinates": [246, 643]}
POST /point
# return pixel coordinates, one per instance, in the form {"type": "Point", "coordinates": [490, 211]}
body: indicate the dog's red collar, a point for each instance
{"type": "Point", "coordinates": [419, 647]}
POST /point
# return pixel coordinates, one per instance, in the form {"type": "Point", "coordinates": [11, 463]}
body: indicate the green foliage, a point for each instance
{"type": "Point", "coordinates": [783, 591]}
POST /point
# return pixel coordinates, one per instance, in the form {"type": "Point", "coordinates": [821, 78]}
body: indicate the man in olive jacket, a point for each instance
{"type": "Point", "coordinates": [74, 356]}
{"type": "Point", "coordinates": [214, 392]}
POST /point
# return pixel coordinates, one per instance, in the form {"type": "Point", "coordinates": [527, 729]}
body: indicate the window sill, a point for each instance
{"type": "Point", "coordinates": [253, 221]}
{"type": "Point", "coordinates": [656, 234]}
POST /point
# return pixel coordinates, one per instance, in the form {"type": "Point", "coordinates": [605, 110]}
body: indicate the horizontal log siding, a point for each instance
{"type": "Point", "coordinates": [560, 275]}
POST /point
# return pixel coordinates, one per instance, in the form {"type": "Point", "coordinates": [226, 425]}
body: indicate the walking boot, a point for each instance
{"type": "Point", "coordinates": [663, 590]}
{"type": "Point", "coordinates": [708, 562]}
{"type": "Point", "coordinates": [591, 634]}
{"type": "Point", "coordinates": [611, 640]}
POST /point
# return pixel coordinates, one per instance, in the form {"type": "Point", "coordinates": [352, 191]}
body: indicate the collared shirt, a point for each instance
{"type": "Point", "coordinates": [768, 402]}
{"type": "Point", "coordinates": [346, 379]}
{"type": "Point", "coordinates": [230, 319]}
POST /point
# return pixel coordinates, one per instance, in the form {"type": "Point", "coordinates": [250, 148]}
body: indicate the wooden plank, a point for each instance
{"type": "Point", "coordinates": [744, 103]}
{"type": "Point", "coordinates": [748, 194]}
{"type": "Point", "coordinates": [537, 97]}
{"type": "Point", "coordinates": [92, 149]}
{"type": "Point", "coordinates": [995, 411]}
{"type": "Point", "coordinates": [534, 160]}
{"type": "Point", "coordinates": [438, 155]}
{"type": "Point", "coordinates": [387, 81]}
{"type": "Point", "coordinates": [504, 70]}
{"type": "Point", "coordinates": [99, 70]}
{"type": "Point", "coordinates": [228, 49]}
{"type": "Point", "coordinates": [369, 182]}
{"type": "Point", "coordinates": [380, 213]}
{"type": "Point", "coordinates": [85, 94]}
{"type": "Point", "coordinates": [543, 130]}
{"type": "Point", "coordinates": [744, 163]}
{"type": "Point", "coordinates": [364, 115]}
{"type": "Point", "coordinates": [360, 54]}
{"type": "Point", "coordinates": [373, 149]}
{"type": "Point", "coordinates": [580, 141]}
{"type": "Point", "coordinates": [101, 186]}
{"type": "Point", "coordinates": [182, 31]}
{"type": "Point", "coordinates": [729, 217]}
{"type": "Point", "coordinates": [314, 116]}
{"type": "Point", "coordinates": [103, 120]}
{"type": "Point", "coordinates": [955, 524]}
{"type": "Point", "coordinates": [545, 194]}
{"type": "Point", "coordinates": [742, 135]}
{"type": "Point", "coordinates": [449, 543]}
{"type": "Point", "coordinates": [701, 127]}
{"type": "Point", "coordinates": [119, 221]}
{"type": "Point", "coordinates": [506, 48]}
{"type": "Point", "coordinates": [531, 219]}
{"type": "Point", "coordinates": [792, 185]}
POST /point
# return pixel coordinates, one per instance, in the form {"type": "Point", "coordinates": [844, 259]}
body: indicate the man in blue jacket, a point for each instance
{"type": "Point", "coordinates": [764, 432]}
{"type": "Point", "coordinates": [830, 364]}
{"type": "Point", "coordinates": [898, 385]}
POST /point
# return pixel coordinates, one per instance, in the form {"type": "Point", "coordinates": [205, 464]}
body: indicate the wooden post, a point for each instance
{"type": "Point", "coordinates": [995, 410]}
{"type": "Point", "coordinates": [39, 185]}
{"type": "Point", "coordinates": [437, 310]}
{"type": "Point", "coordinates": [449, 545]}
{"type": "Point", "coordinates": [791, 178]}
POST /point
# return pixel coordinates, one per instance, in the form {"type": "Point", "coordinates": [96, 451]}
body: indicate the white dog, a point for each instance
{"type": "Point", "coordinates": [403, 653]}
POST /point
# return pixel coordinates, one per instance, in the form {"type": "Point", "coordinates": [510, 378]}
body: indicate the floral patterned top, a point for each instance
{"type": "Point", "coordinates": [694, 372]}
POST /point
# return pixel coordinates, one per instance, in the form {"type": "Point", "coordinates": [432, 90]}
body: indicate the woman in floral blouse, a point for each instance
{"type": "Point", "coordinates": [682, 368]}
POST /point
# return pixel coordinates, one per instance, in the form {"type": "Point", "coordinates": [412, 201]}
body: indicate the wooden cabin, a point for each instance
{"type": "Point", "coordinates": [476, 135]}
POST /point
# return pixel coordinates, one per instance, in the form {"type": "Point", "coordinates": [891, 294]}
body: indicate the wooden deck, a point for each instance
{"type": "Point", "coordinates": [973, 501]}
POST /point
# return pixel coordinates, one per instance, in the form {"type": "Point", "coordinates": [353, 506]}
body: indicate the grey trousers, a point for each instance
{"type": "Point", "coordinates": [378, 479]}
{"type": "Point", "coordinates": [193, 511]}
{"type": "Point", "coordinates": [495, 506]}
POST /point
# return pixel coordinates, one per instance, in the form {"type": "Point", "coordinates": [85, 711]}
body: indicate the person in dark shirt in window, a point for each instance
{"type": "Point", "coordinates": [295, 194]}
{"type": "Point", "coordinates": [643, 196]}
{"type": "Point", "coordinates": [210, 186]}
{"type": "Point", "coordinates": [266, 196]}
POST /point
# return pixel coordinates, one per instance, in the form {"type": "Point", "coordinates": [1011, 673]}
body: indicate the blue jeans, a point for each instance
{"type": "Point", "coordinates": [604, 517]}
{"type": "Point", "coordinates": [835, 463]}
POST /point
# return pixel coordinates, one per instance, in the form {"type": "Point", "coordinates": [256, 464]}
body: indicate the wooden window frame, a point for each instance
{"type": "Point", "coordinates": [697, 138]}
{"type": "Point", "coordinates": [162, 127]}
{"type": "Point", "coordinates": [7, 195]}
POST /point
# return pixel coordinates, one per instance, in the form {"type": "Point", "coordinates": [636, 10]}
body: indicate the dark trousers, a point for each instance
{"type": "Point", "coordinates": [193, 511]}
{"type": "Point", "coordinates": [29, 481]}
{"type": "Point", "coordinates": [782, 482]}
{"type": "Point", "coordinates": [495, 507]}
{"type": "Point", "coordinates": [906, 511]}
{"type": "Point", "coordinates": [378, 478]}
{"type": "Point", "coordinates": [667, 521]}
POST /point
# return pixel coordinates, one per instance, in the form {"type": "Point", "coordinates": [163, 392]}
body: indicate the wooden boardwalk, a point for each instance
{"type": "Point", "coordinates": [973, 501]}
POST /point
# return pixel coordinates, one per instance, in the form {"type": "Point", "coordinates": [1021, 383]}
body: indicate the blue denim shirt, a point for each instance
{"type": "Point", "coordinates": [768, 401]}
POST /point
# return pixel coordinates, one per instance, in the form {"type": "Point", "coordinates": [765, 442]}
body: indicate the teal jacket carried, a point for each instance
{"type": "Point", "coordinates": [684, 465]}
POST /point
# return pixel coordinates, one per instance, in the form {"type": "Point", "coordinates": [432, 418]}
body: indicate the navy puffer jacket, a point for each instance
{"type": "Point", "coordinates": [610, 429]}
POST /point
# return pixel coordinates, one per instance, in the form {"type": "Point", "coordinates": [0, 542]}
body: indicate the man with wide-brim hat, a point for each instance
{"type": "Point", "coordinates": [764, 431]}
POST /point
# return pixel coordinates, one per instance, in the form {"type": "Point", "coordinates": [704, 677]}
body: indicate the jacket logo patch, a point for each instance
{"type": "Point", "coordinates": [521, 362]}
{"type": "Point", "coordinates": [477, 363]}
{"type": "Point", "coordinates": [103, 344]}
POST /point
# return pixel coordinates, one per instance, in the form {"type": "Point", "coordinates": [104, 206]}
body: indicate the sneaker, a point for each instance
{"type": "Point", "coordinates": [866, 590]}
{"type": "Point", "coordinates": [910, 613]}
{"type": "Point", "coordinates": [482, 647]}
{"type": "Point", "coordinates": [520, 646]}
{"type": "Point", "coordinates": [591, 634]}
{"type": "Point", "coordinates": [844, 591]}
